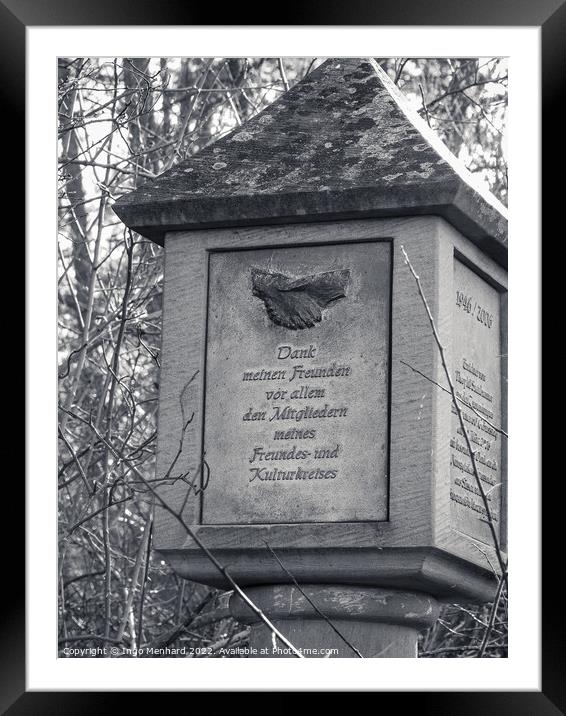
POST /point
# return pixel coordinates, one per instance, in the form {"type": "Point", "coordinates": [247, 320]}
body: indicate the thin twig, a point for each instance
{"type": "Point", "coordinates": [313, 605]}
{"type": "Point", "coordinates": [144, 579]}
{"type": "Point", "coordinates": [492, 616]}
{"type": "Point", "coordinates": [282, 73]}
{"type": "Point", "coordinates": [467, 405]}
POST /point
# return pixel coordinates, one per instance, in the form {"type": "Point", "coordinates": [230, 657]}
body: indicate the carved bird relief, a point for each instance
{"type": "Point", "coordinates": [298, 303]}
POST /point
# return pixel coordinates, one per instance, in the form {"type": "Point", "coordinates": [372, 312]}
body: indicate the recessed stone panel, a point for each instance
{"type": "Point", "coordinates": [297, 384]}
{"type": "Point", "coordinates": [476, 374]}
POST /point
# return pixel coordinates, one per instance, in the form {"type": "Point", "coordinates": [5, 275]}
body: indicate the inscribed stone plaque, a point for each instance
{"type": "Point", "coordinates": [297, 384]}
{"type": "Point", "coordinates": [477, 380]}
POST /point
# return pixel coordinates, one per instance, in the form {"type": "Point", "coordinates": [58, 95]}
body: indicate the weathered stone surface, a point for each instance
{"type": "Point", "coordinates": [420, 544]}
{"type": "Point", "coordinates": [476, 355]}
{"type": "Point", "coordinates": [372, 623]}
{"type": "Point", "coordinates": [338, 144]}
{"type": "Point", "coordinates": [427, 569]}
{"type": "Point", "coordinates": [296, 410]}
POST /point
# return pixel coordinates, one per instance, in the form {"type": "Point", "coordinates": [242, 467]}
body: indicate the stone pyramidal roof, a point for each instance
{"type": "Point", "coordinates": [342, 143]}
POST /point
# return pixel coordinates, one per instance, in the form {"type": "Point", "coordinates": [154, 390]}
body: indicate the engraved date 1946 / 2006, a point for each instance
{"type": "Point", "coordinates": [470, 305]}
{"type": "Point", "coordinates": [298, 303]}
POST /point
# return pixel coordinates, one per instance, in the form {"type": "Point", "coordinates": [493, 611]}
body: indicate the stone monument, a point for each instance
{"type": "Point", "coordinates": [322, 461]}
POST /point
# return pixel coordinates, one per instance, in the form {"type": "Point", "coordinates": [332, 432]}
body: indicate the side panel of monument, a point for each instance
{"type": "Point", "coordinates": [474, 300]}
{"type": "Point", "coordinates": [303, 407]}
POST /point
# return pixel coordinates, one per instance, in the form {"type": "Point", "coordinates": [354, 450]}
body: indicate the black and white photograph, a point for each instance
{"type": "Point", "coordinates": [283, 349]}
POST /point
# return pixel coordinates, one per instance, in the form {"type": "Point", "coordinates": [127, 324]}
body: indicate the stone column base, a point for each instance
{"type": "Point", "coordinates": [379, 623]}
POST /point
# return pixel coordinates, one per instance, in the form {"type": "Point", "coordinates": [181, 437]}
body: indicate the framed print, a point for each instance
{"type": "Point", "coordinates": [289, 376]}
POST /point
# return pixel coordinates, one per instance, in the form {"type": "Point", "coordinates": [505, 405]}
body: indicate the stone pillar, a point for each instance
{"type": "Point", "coordinates": [377, 623]}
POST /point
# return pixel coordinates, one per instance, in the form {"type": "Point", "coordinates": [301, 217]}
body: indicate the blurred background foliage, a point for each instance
{"type": "Point", "coordinates": [123, 121]}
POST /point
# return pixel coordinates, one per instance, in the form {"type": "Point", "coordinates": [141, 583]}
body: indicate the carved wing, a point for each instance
{"type": "Point", "coordinates": [298, 303]}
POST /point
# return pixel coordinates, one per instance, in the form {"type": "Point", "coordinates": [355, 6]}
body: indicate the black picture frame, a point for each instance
{"type": "Point", "coordinates": [15, 16]}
